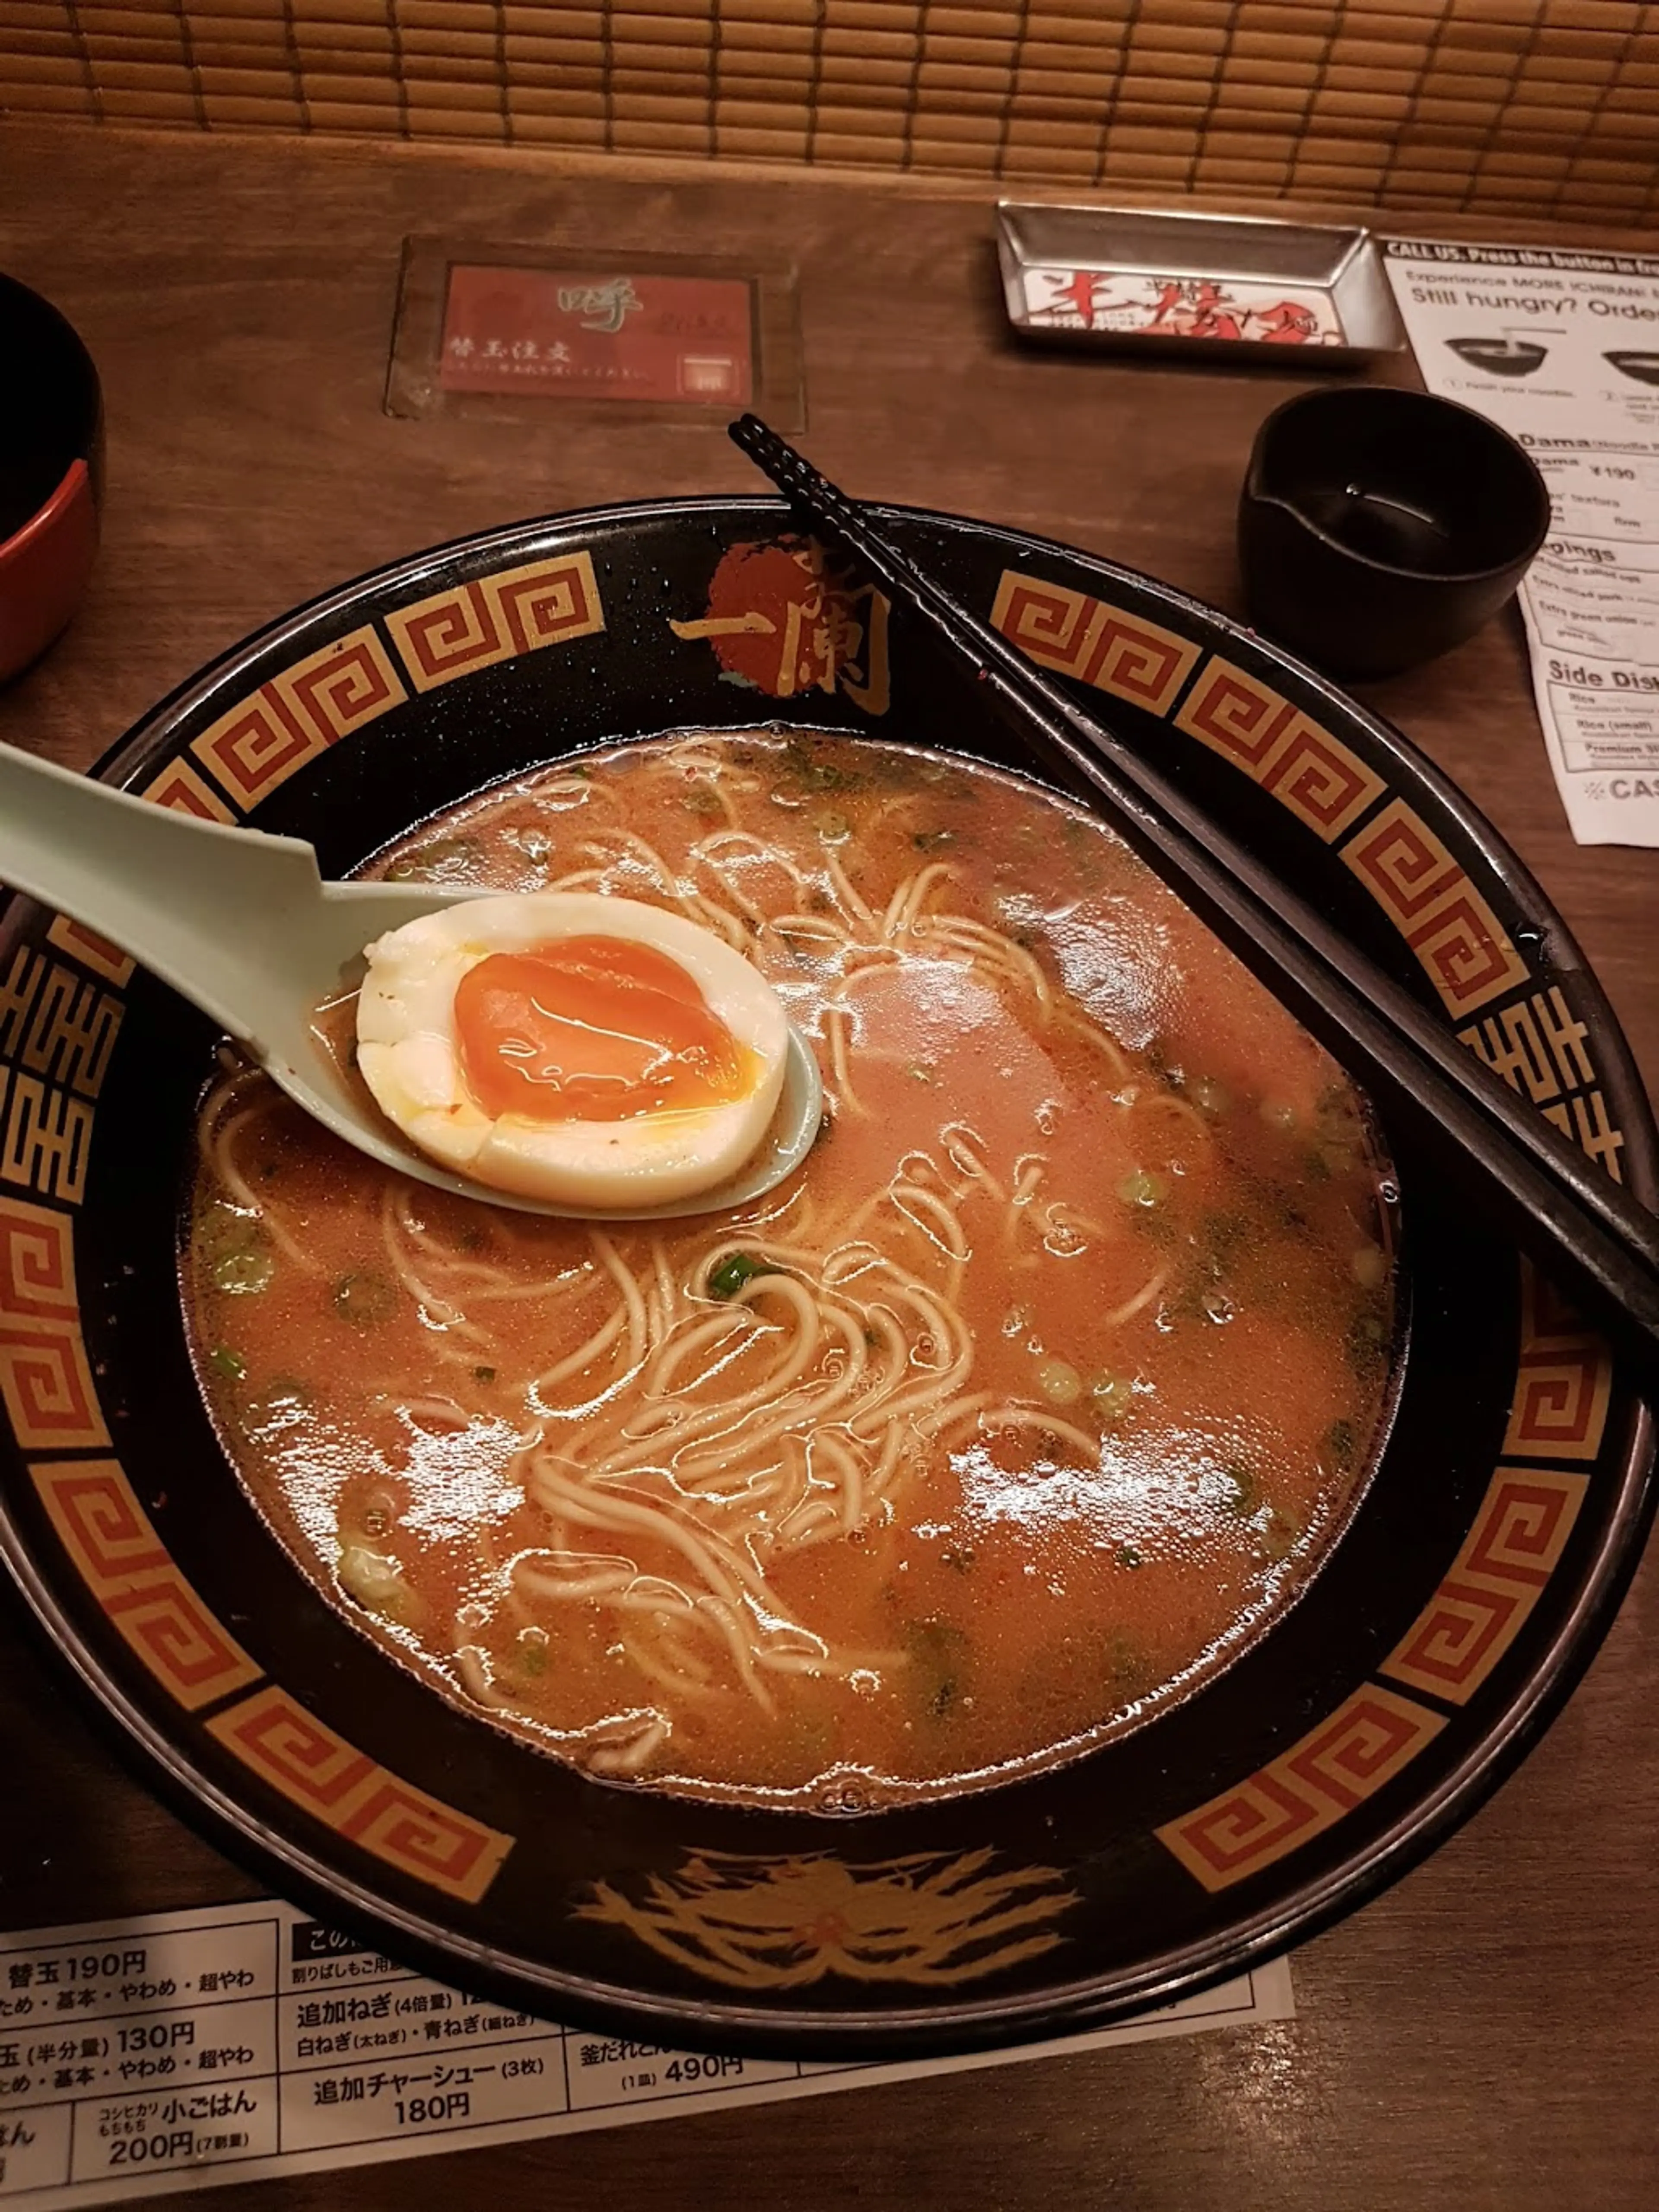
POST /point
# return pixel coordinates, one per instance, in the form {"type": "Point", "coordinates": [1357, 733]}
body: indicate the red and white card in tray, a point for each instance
{"type": "Point", "coordinates": [572, 333]}
{"type": "Point", "coordinates": [487, 328]}
{"type": "Point", "coordinates": [1226, 308]}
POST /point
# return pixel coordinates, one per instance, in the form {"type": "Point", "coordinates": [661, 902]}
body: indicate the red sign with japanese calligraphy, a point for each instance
{"type": "Point", "coordinates": [574, 334]}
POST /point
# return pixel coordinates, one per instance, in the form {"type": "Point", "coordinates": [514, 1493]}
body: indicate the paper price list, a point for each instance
{"type": "Point", "coordinates": [1529, 335]}
{"type": "Point", "coordinates": [271, 2033]}
{"type": "Point", "coordinates": [183, 2048]}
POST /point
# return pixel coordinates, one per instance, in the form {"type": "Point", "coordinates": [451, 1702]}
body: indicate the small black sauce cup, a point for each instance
{"type": "Point", "coordinates": [1379, 527]}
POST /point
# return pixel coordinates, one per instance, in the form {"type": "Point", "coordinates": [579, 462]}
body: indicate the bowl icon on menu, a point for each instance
{"type": "Point", "coordinates": [1643, 367]}
{"type": "Point", "coordinates": [1503, 356]}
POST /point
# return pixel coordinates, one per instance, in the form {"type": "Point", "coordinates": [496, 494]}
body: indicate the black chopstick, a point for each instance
{"type": "Point", "coordinates": [1591, 1235]}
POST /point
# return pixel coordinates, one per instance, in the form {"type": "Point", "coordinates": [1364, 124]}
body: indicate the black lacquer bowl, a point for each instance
{"type": "Point", "coordinates": [1450, 1621]}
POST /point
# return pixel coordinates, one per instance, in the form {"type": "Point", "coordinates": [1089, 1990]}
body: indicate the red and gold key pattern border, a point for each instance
{"type": "Point", "coordinates": [106, 1534]}
{"type": "Point", "coordinates": [1426, 893]}
{"type": "Point", "coordinates": [1324, 784]}
{"type": "Point", "coordinates": [59, 1019]}
{"type": "Point", "coordinates": [122, 1562]}
{"type": "Point", "coordinates": [1480, 1606]}
{"type": "Point", "coordinates": [1564, 1384]}
{"type": "Point", "coordinates": [1098, 643]}
{"type": "Point", "coordinates": [493, 618]}
{"type": "Point", "coordinates": [296, 714]}
{"type": "Point", "coordinates": [1535, 1042]}
{"type": "Point", "coordinates": [114, 1545]}
{"type": "Point", "coordinates": [46, 1379]}
{"type": "Point", "coordinates": [1474, 1615]}
{"type": "Point", "coordinates": [293, 1752]}
{"type": "Point", "coordinates": [1564, 1387]}
{"type": "Point", "coordinates": [1429, 897]}
{"type": "Point", "coordinates": [1369, 1738]}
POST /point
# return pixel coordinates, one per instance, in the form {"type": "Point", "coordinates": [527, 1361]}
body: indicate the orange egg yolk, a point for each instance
{"type": "Point", "coordinates": [593, 1029]}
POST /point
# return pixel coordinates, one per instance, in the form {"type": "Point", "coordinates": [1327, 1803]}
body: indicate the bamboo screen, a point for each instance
{"type": "Point", "coordinates": [1546, 107]}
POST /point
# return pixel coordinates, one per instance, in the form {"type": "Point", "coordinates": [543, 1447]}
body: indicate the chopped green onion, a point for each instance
{"type": "Point", "coordinates": [1144, 1187]}
{"type": "Point", "coordinates": [365, 1299]}
{"type": "Point", "coordinates": [375, 1580]}
{"type": "Point", "coordinates": [224, 1361]}
{"type": "Point", "coordinates": [1242, 1498]}
{"type": "Point", "coordinates": [1282, 1533]}
{"type": "Point", "coordinates": [1209, 1097]}
{"type": "Point", "coordinates": [1161, 1059]}
{"type": "Point", "coordinates": [244, 1273]}
{"type": "Point", "coordinates": [809, 770]}
{"type": "Point", "coordinates": [937, 1651]}
{"type": "Point", "coordinates": [1128, 1557]}
{"type": "Point", "coordinates": [280, 1404]}
{"type": "Point", "coordinates": [445, 857]}
{"type": "Point", "coordinates": [1114, 1397]}
{"type": "Point", "coordinates": [1060, 1382]}
{"type": "Point", "coordinates": [735, 1272]}
{"type": "Point", "coordinates": [1365, 1341]}
{"type": "Point", "coordinates": [377, 1520]}
{"type": "Point", "coordinates": [1223, 1234]}
{"type": "Point", "coordinates": [1126, 1663]}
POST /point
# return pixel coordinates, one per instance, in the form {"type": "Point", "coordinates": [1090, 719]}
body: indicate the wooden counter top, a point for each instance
{"type": "Point", "coordinates": [1484, 2035]}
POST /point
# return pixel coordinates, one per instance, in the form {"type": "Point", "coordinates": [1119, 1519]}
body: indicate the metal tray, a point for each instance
{"type": "Point", "coordinates": [1237, 287]}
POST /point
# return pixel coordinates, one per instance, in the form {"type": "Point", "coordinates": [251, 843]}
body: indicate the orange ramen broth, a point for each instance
{"type": "Point", "coordinates": [1031, 1396]}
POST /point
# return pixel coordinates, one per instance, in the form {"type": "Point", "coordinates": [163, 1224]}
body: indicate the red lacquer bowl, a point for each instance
{"type": "Point", "coordinates": [51, 435]}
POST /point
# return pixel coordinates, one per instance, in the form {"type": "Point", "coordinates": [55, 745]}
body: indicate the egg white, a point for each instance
{"type": "Point", "coordinates": [409, 1056]}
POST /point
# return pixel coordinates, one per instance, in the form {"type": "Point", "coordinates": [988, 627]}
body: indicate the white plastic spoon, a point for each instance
{"type": "Point", "coordinates": [243, 925]}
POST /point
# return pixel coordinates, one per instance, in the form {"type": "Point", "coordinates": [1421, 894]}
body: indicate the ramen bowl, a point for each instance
{"type": "Point", "coordinates": [1502, 356]}
{"type": "Point", "coordinates": [1644, 368]}
{"type": "Point", "coordinates": [1472, 1582]}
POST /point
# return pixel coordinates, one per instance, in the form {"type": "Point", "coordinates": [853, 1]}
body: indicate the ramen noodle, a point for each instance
{"type": "Point", "coordinates": [1028, 1400]}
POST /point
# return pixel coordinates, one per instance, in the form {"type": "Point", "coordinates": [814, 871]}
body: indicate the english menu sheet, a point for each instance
{"type": "Point", "coordinates": [1562, 350]}
{"type": "Point", "coordinates": [244, 2042]}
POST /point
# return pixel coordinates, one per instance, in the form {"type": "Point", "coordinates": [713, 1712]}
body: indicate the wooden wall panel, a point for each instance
{"type": "Point", "coordinates": [1517, 107]}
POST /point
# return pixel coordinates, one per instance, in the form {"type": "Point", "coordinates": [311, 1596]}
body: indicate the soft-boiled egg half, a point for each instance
{"type": "Point", "coordinates": [584, 1050]}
